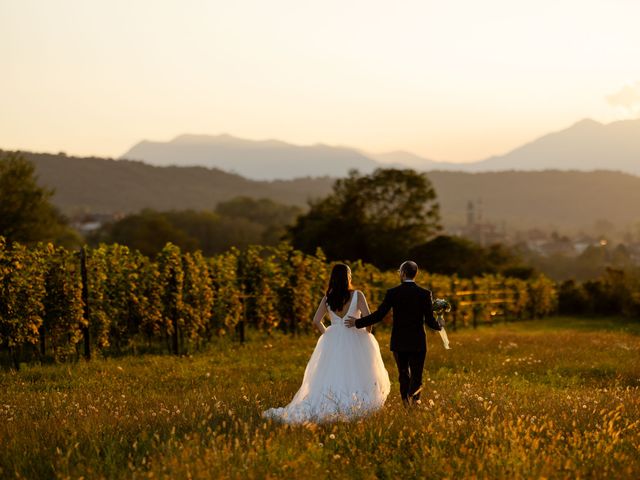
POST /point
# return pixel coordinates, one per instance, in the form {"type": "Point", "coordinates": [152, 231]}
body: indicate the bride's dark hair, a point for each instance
{"type": "Point", "coordinates": [339, 289]}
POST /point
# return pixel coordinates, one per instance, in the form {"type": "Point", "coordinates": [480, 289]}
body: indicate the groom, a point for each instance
{"type": "Point", "coordinates": [412, 307]}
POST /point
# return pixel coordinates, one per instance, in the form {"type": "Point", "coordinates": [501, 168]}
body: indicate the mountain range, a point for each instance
{"type": "Point", "coordinates": [259, 160]}
{"type": "Point", "coordinates": [587, 145]}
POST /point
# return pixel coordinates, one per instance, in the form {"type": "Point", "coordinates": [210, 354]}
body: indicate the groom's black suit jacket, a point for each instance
{"type": "Point", "coordinates": [412, 308]}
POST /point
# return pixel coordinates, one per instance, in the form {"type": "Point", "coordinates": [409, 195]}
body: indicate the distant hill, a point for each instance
{"type": "Point", "coordinates": [567, 201]}
{"type": "Point", "coordinates": [260, 160]}
{"type": "Point", "coordinates": [586, 146]}
{"type": "Point", "coordinates": [107, 186]}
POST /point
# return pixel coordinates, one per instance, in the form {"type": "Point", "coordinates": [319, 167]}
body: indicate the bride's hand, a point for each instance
{"type": "Point", "coordinates": [350, 322]}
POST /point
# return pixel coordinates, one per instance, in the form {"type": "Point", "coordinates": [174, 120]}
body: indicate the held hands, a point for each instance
{"type": "Point", "coordinates": [350, 322]}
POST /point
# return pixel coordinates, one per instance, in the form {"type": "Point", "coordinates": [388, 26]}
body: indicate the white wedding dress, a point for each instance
{"type": "Point", "coordinates": [344, 379]}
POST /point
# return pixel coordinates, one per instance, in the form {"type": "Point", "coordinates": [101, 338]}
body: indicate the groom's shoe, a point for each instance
{"type": "Point", "coordinates": [415, 401]}
{"type": "Point", "coordinates": [415, 396]}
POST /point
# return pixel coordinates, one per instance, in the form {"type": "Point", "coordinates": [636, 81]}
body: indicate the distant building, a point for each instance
{"type": "Point", "coordinates": [583, 242]}
{"type": "Point", "coordinates": [90, 222]}
{"type": "Point", "coordinates": [634, 252]}
{"type": "Point", "coordinates": [479, 231]}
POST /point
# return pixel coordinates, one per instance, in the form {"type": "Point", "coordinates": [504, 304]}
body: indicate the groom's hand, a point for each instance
{"type": "Point", "coordinates": [350, 322]}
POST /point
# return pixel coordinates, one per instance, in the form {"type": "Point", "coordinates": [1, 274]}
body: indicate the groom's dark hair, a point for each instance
{"type": "Point", "coordinates": [410, 269]}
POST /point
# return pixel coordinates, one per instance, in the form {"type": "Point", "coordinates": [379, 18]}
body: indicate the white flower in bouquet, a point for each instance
{"type": "Point", "coordinates": [440, 307]}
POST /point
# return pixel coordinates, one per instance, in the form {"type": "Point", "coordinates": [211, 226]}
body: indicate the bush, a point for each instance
{"type": "Point", "coordinates": [615, 293]}
{"type": "Point", "coordinates": [572, 298]}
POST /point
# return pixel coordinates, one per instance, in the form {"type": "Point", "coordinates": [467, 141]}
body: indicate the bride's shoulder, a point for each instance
{"type": "Point", "coordinates": [358, 293]}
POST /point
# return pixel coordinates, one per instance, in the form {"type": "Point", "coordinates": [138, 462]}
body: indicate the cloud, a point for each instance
{"type": "Point", "coordinates": [628, 96]}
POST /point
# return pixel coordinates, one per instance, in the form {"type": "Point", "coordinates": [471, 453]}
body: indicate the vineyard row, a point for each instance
{"type": "Point", "coordinates": [60, 304]}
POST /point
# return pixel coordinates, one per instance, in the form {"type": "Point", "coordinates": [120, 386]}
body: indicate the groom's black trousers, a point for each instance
{"type": "Point", "coordinates": [410, 366]}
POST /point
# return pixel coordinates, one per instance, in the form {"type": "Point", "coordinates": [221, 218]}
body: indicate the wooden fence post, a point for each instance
{"type": "Point", "coordinates": [454, 305]}
{"type": "Point", "coordinates": [488, 311]}
{"type": "Point", "coordinates": [43, 342]}
{"type": "Point", "coordinates": [86, 335]}
{"type": "Point", "coordinates": [241, 323]}
{"type": "Point", "coordinates": [14, 352]}
{"type": "Point", "coordinates": [521, 308]}
{"type": "Point", "coordinates": [533, 308]}
{"type": "Point", "coordinates": [173, 288]}
{"type": "Point", "coordinates": [505, 300]}
{"type": "Point", "coordinates": [474, 306]}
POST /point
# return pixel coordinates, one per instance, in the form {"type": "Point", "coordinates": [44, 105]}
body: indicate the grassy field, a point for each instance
{"type": "Point", "coordinates": [558, 398]}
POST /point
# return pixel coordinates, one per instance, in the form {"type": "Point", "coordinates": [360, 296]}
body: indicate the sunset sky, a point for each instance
{"type": "Point", "coordinates": [449, 80]}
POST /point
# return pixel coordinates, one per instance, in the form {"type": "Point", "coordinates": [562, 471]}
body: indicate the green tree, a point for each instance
{"type": "Point", "coordinates": [263, 211]}
{"type": "Point", "coordinates": [449, 255]}
{"type": "Point", "coordinates": [26, 214]}
{"type": "Point", "coordinates": [377, 218]}
{"type": "Point", "coordinates": [273, 217]}
{"type": "Point", "coordinates": [148, 231]}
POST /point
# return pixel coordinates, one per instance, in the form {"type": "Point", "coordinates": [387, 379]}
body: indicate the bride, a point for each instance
{"type": "Point", "coordinates": [345, 377]}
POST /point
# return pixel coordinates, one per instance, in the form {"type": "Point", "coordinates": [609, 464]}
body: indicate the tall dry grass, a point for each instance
{"type": "Point", "coordinates": [558, 398]}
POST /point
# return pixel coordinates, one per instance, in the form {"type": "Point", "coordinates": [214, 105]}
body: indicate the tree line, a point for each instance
{"type": "Point", "coordinates": [239, 222]}
{"type": "Point", "coordinates": [379, 218]}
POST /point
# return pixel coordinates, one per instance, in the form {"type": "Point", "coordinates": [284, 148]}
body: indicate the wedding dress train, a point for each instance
{"type": "Point", "coordinates": [344, 379]}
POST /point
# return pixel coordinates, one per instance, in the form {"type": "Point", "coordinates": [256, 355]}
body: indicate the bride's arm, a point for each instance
{"type": "Point", "coordinates": [364, 308]}
{"type": "Point", "coordinates": [320, 313]}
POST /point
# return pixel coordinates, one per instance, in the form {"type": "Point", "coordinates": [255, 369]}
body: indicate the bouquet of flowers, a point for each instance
{"type": "Point", "coordinates": [440, 307]}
